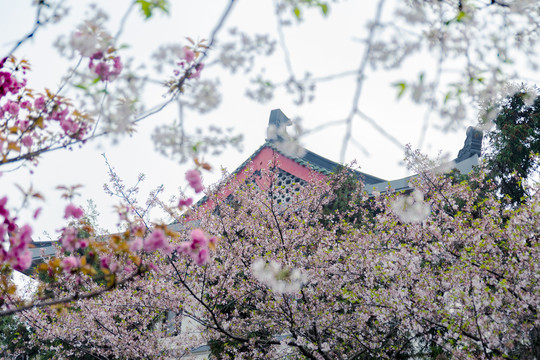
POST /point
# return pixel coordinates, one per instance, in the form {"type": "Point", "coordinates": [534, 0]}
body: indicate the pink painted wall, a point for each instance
{"type": "Point", "coordinates": [263, 160]}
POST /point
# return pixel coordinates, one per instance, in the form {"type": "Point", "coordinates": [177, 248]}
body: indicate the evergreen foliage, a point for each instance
{"type": "Point", "coordinates": [514, 143]}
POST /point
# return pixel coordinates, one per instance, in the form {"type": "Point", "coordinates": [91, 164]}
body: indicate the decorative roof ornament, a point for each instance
{"type": "Point", "coordinates": [472, 145]}
{"type": "Point", "coordinates": [277, 126]}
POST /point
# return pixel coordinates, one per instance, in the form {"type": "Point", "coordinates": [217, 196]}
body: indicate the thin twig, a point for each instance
{"type": "Point", "coordinates": [37, 24]}
{"type": "Point", "coordinates": [283, 44]}
{"type": "Point", "coordinates": [123, 21]}
{"type": "Point", "coordinates": [381, 130]}
{"type": "Point", "coordinates": [360, 77]}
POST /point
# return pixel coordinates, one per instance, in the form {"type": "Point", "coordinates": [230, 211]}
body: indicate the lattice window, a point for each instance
{"type": "Point", "coordinates": [287, 184]}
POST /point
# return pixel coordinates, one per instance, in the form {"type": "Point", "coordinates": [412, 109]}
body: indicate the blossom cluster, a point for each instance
{"type": "Point", "coordinates": [195, 181]}
{"type": "Point", "coordinates": [90, 37]}
{"type": "Point", "coordinates": [156, 241]}
{"type": "Point", "coordinates": [411, 208]}
{"type": "Point", "coordinates": [17, 255]}
{"type": "Point", "coordinates": [107, 67]}
{"type": "Point", "coordinates": [31, 122]}
{"type": "Point", "coordinates": [187, 62]}
{"type": "Point", "coordinates": [91, 40]}
{"type": "Point", "coordinates": [198, 247]}
{"type": "Point", "coordinates": [8, 82]}
{"type": "Point", "coordinates": [443, 267]}
{"type": "Point", "coordinates": [279, 279]}
{"type": "Point", "coordinates": [189, 66]}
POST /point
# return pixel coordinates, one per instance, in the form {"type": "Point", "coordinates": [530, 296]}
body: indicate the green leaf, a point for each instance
{"type": "Point", "coordinates": [162, 5]}
{"type": "Point", "coordinates": [401, 88]}
{"type": "Point", "coordinates": [81, 86]}
{"type": "Point", "coordinates": [324, 8]}
{"type": "Point", "coordinates": [461, 16]}
{"type": "Point", "coordinates": [447, 97]}
{"type": "Point", "coordinates": [147, 7]}
{"type": "Point", "coordinates": [297, 13]}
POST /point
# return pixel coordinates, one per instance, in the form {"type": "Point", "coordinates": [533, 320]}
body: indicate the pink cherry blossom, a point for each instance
{"type": "Point", "coordinates": [107, 262]}
{"type": "Point", "coordinates": [104, 262]}
{"type": "Point", "coordinates": [97, 55]}
{"type": "Point", "coordinates": [39, 103]}
{"type": "Point", "coordinates": [202, 257]}
{"type": "Point", "coordinates": [197, 248]}
{"type": "Point", "coordinates": [11, 107]}
{"type": "Point", "coordinates": [197, 73]}
{"type": "Point", "coordinates": [27, 141]}
{"type": "Point", "coordinates": [189, 55]}
{"type": "Point", "coordinates": [73, 211]}
{"type": "Point", "coordinates": [26, 234]}
{"type": "Point", "coordinates": [198, 239]}
{"type": "Point", "coordinates": [23, 260]}
{"type": "Point", "coordinates": [69, 126]}
{"type": "Point", "coordinates": [59, 115]}
{"type": "Point", "coordinates": [194, 179]}
{"type": "Point", "coordinates": [26, 105]}
{"type": "Point", "coordinates": [185, 202]}
{"type": "Point", "coordinates": [136, 244]}
{"type": "Point", "coordinates": [69, 239]}
{"type": "Point", "coordinates": [23, 124]}
{"type": "Point", "coordinates": [156, 241]}
{"type": "Point", "coordinates": [102, 70]}
{"type": "Point", "coordinates": [8, 84]}
{"type": "Point", "coordinates": [117, 67]}
{"type": "Point", "coordinates": [70, 263]}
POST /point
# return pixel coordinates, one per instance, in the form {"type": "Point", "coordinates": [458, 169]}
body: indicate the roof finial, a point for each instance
{"type": "Point", "coordinates": [472, 145]}
{"type": "Point", "coordinates": [277, 126]}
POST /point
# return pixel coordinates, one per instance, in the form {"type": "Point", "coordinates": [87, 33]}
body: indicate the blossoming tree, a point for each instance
{"type": "Point", "coordinates": [451, 272]}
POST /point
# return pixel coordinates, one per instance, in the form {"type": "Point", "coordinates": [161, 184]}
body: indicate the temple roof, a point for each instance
{"type": "Point", "coordinates": [308, 159]}
{"type": "Point", "coordinates": [277, 134]}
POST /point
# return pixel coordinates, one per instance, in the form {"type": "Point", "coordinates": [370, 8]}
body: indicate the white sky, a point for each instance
{"type": "Point", "coordinates": [322, 46]}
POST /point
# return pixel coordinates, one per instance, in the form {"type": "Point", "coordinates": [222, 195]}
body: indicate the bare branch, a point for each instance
{"type": "Point", "coordinates": [360, 77]}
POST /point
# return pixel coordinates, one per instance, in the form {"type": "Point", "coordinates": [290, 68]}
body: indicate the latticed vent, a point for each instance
{"type": "Point", "coordinates": [287, 184]}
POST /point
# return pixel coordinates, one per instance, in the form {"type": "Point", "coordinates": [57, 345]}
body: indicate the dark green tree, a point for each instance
{"type": "Point", "coordinates": [513, 142]}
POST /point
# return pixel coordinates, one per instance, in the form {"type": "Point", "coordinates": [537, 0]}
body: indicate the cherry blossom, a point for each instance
{"type": "Point", "coordinates": [411, 208]}
{"type": "Point", "coordinates": [457, 273]}
{"type": "Point", "coordinates": [156, 241]}
{"type": "Point", "coordinates": [73, 211]}
{"type": "Point", "coordinates": [198, 247]}
{"type": "Point", "coordinates": [195, 181]}
{"type": "Point", "coordinates": [185, 202]}
{"type": "Point", "coordinates": [278, 279]}
{"type": "Point", "coordinates": [69, 263]}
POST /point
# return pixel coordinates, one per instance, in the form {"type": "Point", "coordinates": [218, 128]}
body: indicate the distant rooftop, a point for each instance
{"type": "Point", "coordinates": [40, 250]}
{"type": "Point", "coordinates": [467, 157]}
